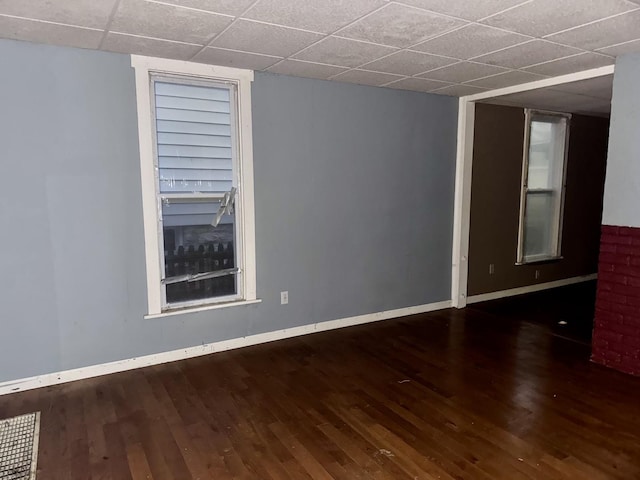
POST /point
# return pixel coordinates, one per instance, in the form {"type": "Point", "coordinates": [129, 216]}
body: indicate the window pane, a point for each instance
{"type": "Point", "coordinates": [539, 229]}
{"type": "Point", "coordinates": [192, 245]}
{"type": "Point", "coordinates": [546, 152]}
{"type": "Point", "coordinates": [194, 138]}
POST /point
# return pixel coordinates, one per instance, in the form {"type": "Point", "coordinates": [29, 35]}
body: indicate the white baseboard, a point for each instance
{"type": "Point", "coordinates": [49, 379]}
{"type": "Point", "coordinates": [530, 288]}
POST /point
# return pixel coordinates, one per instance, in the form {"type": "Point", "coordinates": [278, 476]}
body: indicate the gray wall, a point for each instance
{"type": "Point", "coordinates": [622, 186]}
{"type": "Point", "coordinates": [354, 202]}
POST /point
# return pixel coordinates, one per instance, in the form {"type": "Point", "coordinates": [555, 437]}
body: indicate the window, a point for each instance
{"type": "Point", "coordinates": [543, 183]}
{"type": "Point", "coordinates": [194, 125]}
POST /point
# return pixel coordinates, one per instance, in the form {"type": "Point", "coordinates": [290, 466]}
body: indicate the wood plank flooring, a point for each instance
{"type": "Point", "coordinates": [468, 394]}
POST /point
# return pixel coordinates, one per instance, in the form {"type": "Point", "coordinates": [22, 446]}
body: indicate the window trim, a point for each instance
{"type": "Point", "coordinates": [144, 68]}
{"type": "Point", "coordinates": [557, 255]}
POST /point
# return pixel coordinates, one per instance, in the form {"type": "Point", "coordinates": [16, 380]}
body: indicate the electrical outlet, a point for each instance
{"type": "Point", "coordinates": [284, 298]}
{"type": "Point", "coordinates": [537, 274]}
{"type": "Point", "coordinates": [492, 269]}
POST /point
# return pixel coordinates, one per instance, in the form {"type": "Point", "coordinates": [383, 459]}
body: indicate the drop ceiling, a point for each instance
{"type": "Point", "coordinates": [450, 47]}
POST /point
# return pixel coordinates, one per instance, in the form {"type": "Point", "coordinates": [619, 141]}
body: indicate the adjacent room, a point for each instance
{"type": "Point", "coordinates": [326, 239]}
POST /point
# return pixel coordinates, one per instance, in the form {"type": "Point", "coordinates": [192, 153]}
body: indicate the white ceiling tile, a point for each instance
{"type": "Point", "coordinates": [123, 43]}
{"type": "Point", "coordinates": [324, 16]}
{"type": "Point", "coordinates": [470, 10]}
{"type": "Point", "coordinates": [406, 62]}
{"type": "Point", "coordinates": [227, 7]}
{"type": "Point", "coordinates": [549, 99]}
{"type": "Point", "coordinates": [622, 28]}
{"type": "Point", "coordinates": [600, 87]}
{"type": "Point", "coordinates": [344, 52]}
{"type": "Point", "coordinates": [299, 68]}
{"type": "Point", "coordinates": [167, 22]}
{"type": "Point", "coordinates": [527, 54]}
{"type": "Point", "coordinates": [399, 26]}
{"type": "Point", "coordinates": [44, 32]}
{"type": "Point", "coordinates": [459, 90]}
{"type": "Point", "coordinates": [470, 41]}
{"type": "Point", "coordinates": [232, 58]}
{"type": "Point", "coordinates": [417, 84]}
{"type": "Point", "coordinates": [627, 47]}
{"type": "Point", "coordinates": [514, 77]}
{"type": "Point", "coordinates": [258, 37]}
{"type": "Point", "coordinates": [84, 13]}
{"type": "Point", "coordinates": [364, 77]}
{"type": "Point", "coordinates": [577, 63]}
{"type": "Point", "coordinates": [463, 72]}
{"type": "Point", "coordinates": [543, 17]}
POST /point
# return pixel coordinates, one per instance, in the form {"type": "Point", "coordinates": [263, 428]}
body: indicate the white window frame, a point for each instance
{"type": "Point", "coordinates": [530, 115]}
{"type": "Point", "coordinates": [145, 68]}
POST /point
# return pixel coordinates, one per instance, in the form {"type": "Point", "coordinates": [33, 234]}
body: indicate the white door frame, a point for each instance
{"type": "Point", "coordinates": [464, 162]}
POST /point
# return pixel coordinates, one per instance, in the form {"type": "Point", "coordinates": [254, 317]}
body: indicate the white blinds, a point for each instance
{"type": "Point", "coordinates": [193, 131]}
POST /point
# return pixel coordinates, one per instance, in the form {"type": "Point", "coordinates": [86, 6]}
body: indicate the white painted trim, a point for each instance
{"type": "Point", "coordinates": [544, 83]}
{"type": "Point", "coordinates": [530, 288]}
{"type": "Point", "coordinates": [464, 161]}
{"type": "Point", "coordinates": [144, 67]}
{"type": "Point", "coordinates": [462, 203]}
{"type": "Point", "coordinates": [56, 378]}
{"type": "Point", "coordinates": [202, 308]}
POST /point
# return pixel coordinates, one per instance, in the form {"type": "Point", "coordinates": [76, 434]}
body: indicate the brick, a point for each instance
{"type": "Point", "coordinates": [632, 321]}
{"type": "Point", "coordinates": [614, 258]}
{"type": "Point", "coordinates": [633, 301]}
{"type": "Point", "coordinates": [626, 331]}
{"type": "Point", "coordinates": [608, 317]}
{"type": "Point", "coordinates": [611, 297]}
{"type": "Point", "coordinates": [610, 337]}
{"type": "Point", "coordinates": [609, 229]}
{"type": "Point", "coordinates": [627, 270]}
{"type": "Point", "coordinates": [627, 291]}
{"type": "Point", "coordinates": [625, 310]}
{"type": "Point", "coordinates": [635, 262]}
{"type": "Point", "coordinates": [632, 344]}
{"type": "Point", "coordinates": [635, 241]}
{"type": "Point", "coordinates": [609, 247]}
{"type": "Point", "coordinates": [605, 286]}
{"type": "Point", "coordinates": [603, 305]}
{"type": "Point", "coordinates": [629, 231]}
{"type": "Point", "coordinates": [613, 277]}
{"type": "Point", "coordinates": [605, 267]}
{"type": "Point", "coordinates": [633, 282]}
{"type": "Point", "coordinates": [629, 250]}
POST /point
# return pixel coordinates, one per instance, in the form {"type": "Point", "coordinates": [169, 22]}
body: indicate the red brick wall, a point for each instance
{"type": "Point", "coordinates": [616, 334]}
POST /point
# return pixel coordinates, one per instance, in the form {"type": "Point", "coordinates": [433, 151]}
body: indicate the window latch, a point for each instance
{"type": "Point", "coordinates": [226, 206]}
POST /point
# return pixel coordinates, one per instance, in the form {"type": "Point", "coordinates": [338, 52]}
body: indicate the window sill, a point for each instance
{"type": "Point", "coordinates": [540, 260]}
{"type": "Point", "coordinates": [215, 306]}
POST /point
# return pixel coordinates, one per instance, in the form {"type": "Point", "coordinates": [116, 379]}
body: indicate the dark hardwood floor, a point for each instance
{"type": "Point", "coordinates": [472, 394]}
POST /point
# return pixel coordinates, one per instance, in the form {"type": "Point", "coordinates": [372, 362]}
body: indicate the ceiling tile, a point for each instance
{"type": "Point", "coordinates": [463, 72]}
{"type": "Point", "coordinates": [507, 79]}
{"type": "Point", "coordinates": [324, 16]}
{"type": "Point", "coordinates": [459, 90]}
{"type": "Point", "coordinates": [577, 63]}
{"type": "Point", "coordinates": [257, 37]}
{"type": "Point", "coordinates": [167, 22]}
{"type": "Point", "coordinates": [305, 69]}
{"type": "Point", "coordinates": [600, 87]}
{"type": "Point", "coordinates": [627, 47]}
{"type": "Point", "coordinates": [549, 99]}
{"type": "Point", "coordinates": [227, 7]}
{"type": "Point", "coordinates": [43, 32]}
{"type": "Point", "coordinates": [364, 77]}
{"type": "Point", "coordinates": [406, 62]}
{"type": "Point", "coordinates": [123, 43]}
{"type": "Point", "coordinates": [399, 26]}
{"type": "Point", "coordinates": [470, 41]}
{"type": "Point", "coordinates": [622, 28]}
{"type": "Point", "coordinates": [344, 52]}
{"type": "Point", "coordinates": [527, 54]}
{"type": "Point", "coordinates": [417, 84]}
{"type": "Point", "coordinates": [543, 17]}
{"type": "Point", "coordinates": [84, 13]}
{"type": "Point", "coordinates": [232, 58]}
{"type": "Point", "coordinates": [469, 10]}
